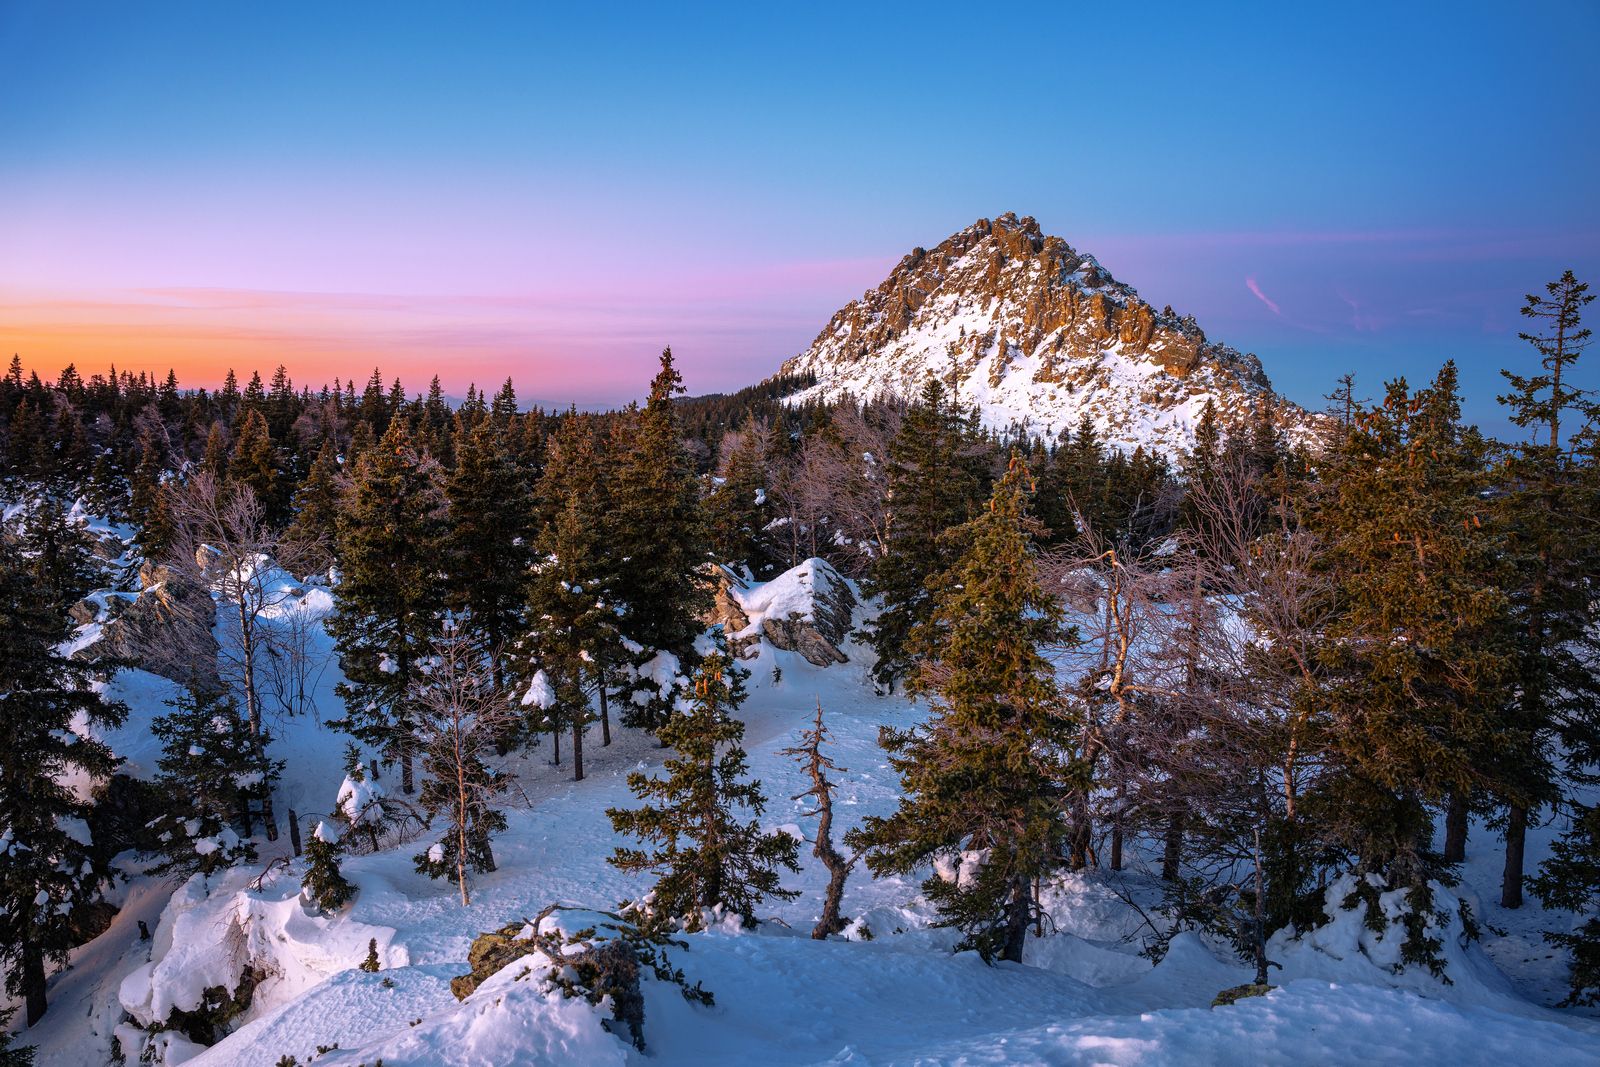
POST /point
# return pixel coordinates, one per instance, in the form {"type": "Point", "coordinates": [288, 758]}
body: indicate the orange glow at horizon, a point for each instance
{"type": "Point", "coordinates": [556, 351]}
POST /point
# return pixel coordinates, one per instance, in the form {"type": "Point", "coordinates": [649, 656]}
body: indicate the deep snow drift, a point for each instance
{"type": "Point", "coordinates": [893, 992]}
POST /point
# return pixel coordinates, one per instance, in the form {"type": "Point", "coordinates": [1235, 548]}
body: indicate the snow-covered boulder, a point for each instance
{"type": "Point", "coordinates": [234, 946]}
{"type": "Point", "coordinates": [808, 609]}
{"type": "Point", "coordinates": [579, 954]}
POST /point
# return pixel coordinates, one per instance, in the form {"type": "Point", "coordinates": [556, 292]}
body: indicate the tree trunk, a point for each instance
{"type": "Point", "coordinates": [268, 819]}
{"type": "Point", "coordinates": [1260, 917]}
{"type": "Point", "coordinates": [1116, 845]}
{"type": "Point", "coordinates": [1017, 919]}
{"type": "Point", "coordinates": [556, 735]}
{"type": "Point", "coordinates": [294, 832]}
{"type": "Point", "coordinates": [1081, 829]}
{"type": "Point", "coordinates": [407, 781]}
{"type": "Point", "coordinates": [1172, 853]}
{"type": "Point", "coordinates": [33, 985]}
{"type": "Point", "coordinates": [838, 870]}
{"type": "Point", "coordinates": [577, 747]}
{"type": "Point", "coordinates": [1516, 838]}
{"type": "Point", "coordinates": [463, 810]}
{"type": "Point", "coordinates": [1455, 828]}
{"type": "Point", "coordinates": [605, 716]}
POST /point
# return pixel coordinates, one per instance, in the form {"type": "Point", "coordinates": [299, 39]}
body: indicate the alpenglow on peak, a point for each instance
{"type": "Point", "coordinates": [1038, 336]}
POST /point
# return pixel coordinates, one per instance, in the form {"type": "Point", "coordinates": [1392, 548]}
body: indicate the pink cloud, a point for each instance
{"type": "Point", "coordinates": [1250, 283]}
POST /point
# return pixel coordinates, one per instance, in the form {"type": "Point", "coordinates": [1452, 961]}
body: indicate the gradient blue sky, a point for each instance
{"type": "Point", "coordinates": [555, 193]}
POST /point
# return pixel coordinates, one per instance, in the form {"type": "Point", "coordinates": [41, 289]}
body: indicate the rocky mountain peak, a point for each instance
{"type": "Point", "coordinates": [1037, 335]}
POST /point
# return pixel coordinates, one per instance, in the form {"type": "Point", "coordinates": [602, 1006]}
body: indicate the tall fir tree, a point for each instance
{"type": "Point", "coordinates": [1547, 503]}
{"type": "Point", "coordinates": [487, 547]}
{"type": "Point", "coordinates": [737, 511]}
{"type": "Point", "coordinates": [573, 628]}
{"type": "Point", "coordinates": [658, 536]}
{"type": "Point", "coordinates": [706, 856]}
{"type": "Point", "coordinates": [984, 779]}
{"type": "Point", "coordinates": [314, 529]}
{"type": "Point", "coordinates": [214, 460]}
{"type": "Point", "coordinates": [1570, 879]}
{"type": "Point", "coordinates": [934, 485]}
{"type": "Point", "coordinates": [149, 507]}
{"type": "Point", "coordinates": [254, 462]}
{"type": "Point", "coordinates": [49, 870]}
{"type": "Point", "coordinates": [1417, 653]}
{"type": "Point", "coordinates": [211, 771]}
{"type": "Point", "coordinates": [389, 598]}
{"type": "Point", "coordinates": [59, 551]}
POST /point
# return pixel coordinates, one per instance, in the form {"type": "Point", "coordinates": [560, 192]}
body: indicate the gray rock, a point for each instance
{"type": "Point", "coordinates": [166, 630]}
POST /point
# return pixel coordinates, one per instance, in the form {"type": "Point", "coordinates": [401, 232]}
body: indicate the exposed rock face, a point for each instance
{"type": "Point", "coordinates": [1038, 336]}
{"type": "Point", "coordinates": [728, 613]}
{"type": "Point", "coordinates": [808, 609]}
{"type": "Point", "coordinates": [166, 630]}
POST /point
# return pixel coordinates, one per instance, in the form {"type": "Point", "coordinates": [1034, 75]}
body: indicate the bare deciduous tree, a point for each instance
{"type": "Point", "coordinates": [225, 543]}
{"type": "Point", "coordinates": [460, 718]}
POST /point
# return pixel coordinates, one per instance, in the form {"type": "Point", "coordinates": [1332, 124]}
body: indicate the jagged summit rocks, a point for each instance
{"type": "Point", "coordinates": [1037, 335]}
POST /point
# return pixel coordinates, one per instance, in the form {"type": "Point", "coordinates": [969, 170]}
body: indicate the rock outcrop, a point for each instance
{"type": "Point", "coordinates": [808, 609]}
{"type": "Point", "coordinates": [598, 957]}
{"type": "Point", "coordinates": [1038, 336]}
{"type": "Point", "coordinates": [166, 630]}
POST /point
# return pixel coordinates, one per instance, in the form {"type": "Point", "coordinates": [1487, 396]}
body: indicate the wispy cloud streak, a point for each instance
{"type": "Point", "coordinates": [1250, 283]}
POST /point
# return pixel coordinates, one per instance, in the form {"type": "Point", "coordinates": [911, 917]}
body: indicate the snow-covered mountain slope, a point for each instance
{"type": "Point", "coordinates": [1038, 336]}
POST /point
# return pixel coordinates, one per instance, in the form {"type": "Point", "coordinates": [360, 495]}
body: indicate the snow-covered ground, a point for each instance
{"type": "Point", "coordinates": [892, 993]}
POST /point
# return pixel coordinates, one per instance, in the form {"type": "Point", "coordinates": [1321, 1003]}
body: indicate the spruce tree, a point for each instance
{"type": "Point", "coordinates": [704, 856]}
{"type": "Point", "coordinates": [148, 507]}
{"type": "Point", "coordinates": [59, 552]}
{"type": "Point", "coordinates": [737, 511]}
{"type": "Point", "coordinates": [72, 452]}
{"type": "Point", "coordinates": [48, 867]}
{"type": "Point", "coordinates": [215, 459]}
{"type": "Point", "coordinates": [389, 597]}
{"type": "Point", "coordinates": [324, 884]}
{"type": "Point", "coordinates": [27, 429]}
{"type": "Point", "coordinates": [934, 485]}
{"type": "Point", "coordinates": [436, 425]}
{"type": "Point", "coordinates": [107, 491]}
{"type": "Point", "coordinates": [573, 627]}
{"type": "Point", "coordinates": [984, 778]}
{"type": "Point", "coordinates": [487, 545]}
{"type": "Point", "coordinates": [1201, 465]}
{"type": "Point", "coordinates": [315, 527]}
{"type": "Point", "coordinates": [1570, 879]}
{"type": "Point", "coordinates": [254, 462]}
{"type": "Point", "coordinates": [658, 536]}
{"type": "Point", "coordinates": [1546, 505]}
{"type": "Point", "coordinates": [504, 408]}
{"type": "Point", "coordinates": [211, 771]}
{"type": "Point", "coordinates": [12, 1055]}
{"type": "Point", "coordinates": [1417, 653]}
